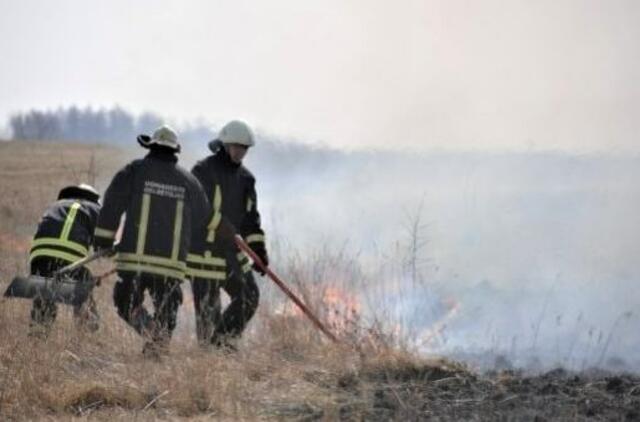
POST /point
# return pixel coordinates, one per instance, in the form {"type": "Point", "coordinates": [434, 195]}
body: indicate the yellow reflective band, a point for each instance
{"type": "Point", "coordinates": [54, 253]}
{"type": "Point", "coordinates": [40, 244]}
{"type": "Point", "coordinates": [217, 214]}
{"type": "Point", "coordinates": [107, 234]}
{"type": "Point", "coordinates": [144, 221]}
{"type": "Point", "coordinates": [245, 263]}
{"type": "Point", "coordinates": [211, 260]}
{"type": "Point", "coordinates": [149, 269]}
{"type": "Point", "coordinates": [68, 223]}
{"type": "Point", "coordinates": [213, 225]}
{"type": "Point", "coordinates": [211, 275]}
{"type": "Point", "coordinates": [246, 267]}
{"type": "Point", "coordinates": [214, 260]}
{"type": "Point", "coordinates": [52, 241]}
{"type": "Point", "coordinates": [255, 238]}
{"type": "Point", "coordinates": [217, 199]}
{"type": "Point", "coordinates": [249, 204]}
{"type": "Point", "coordinates": [177, 230]}
{"type": "Point", "coordinates": [151, 260]}
{"type": "Point", "coordinates": [198, 259]}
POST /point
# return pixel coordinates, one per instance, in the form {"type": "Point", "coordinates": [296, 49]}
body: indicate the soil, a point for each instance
{"type": "Point", "coordinates": [446, 394]}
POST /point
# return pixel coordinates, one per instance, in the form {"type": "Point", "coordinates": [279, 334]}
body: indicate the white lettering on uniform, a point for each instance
{"type": "Point", "coordinates": [161, 189]}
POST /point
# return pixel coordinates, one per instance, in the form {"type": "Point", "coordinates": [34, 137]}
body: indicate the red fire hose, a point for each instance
{"type": "Point", "coordinates": [243, 245]}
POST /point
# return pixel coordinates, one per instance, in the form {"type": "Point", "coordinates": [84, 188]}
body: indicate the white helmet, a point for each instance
{"type": "Point", "coordinates": [164, 136]}
{"type": "Point", "coordinates": [237, 132]}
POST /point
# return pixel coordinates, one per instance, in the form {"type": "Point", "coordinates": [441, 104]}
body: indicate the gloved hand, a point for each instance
{"type": "Point", "coordinates": [261, 251]}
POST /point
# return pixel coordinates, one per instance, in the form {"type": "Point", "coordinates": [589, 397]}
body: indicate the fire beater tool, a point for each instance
{"type": "Point", "coordinates": [244, 247]}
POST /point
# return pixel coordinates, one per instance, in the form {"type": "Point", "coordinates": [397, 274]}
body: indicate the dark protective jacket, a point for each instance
{"type": "Point", "coordinates": [230, 188]}
{"type": "Point", "coordinates": [65, 230]}
{"type": "Point", "coordinates": [164, 206]}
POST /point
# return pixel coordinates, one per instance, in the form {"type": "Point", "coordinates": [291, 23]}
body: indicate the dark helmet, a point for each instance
{"type": "Point", "coordinates": [81, 191]}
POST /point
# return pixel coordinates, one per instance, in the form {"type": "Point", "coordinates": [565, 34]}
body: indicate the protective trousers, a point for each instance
{"type": "Point", "coordinates": [208, 308]}
{"type": "Point", "coordinates": [214, 328]}
{"type": "Point", "coordinates": [44, 312]}
{"type": "Point", "coordinates": [165, 292]}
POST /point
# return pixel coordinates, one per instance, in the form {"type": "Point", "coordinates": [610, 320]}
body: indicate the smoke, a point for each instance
{"type": "Point", "coordinates": [529, 257]}
{"type": "Point", "coordinates": [537, 250]}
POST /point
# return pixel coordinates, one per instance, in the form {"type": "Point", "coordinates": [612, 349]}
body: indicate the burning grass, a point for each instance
{"type": "Point", "coordinates": [274, 374]}
{"type": "Point", "coordinates": [284, 369]}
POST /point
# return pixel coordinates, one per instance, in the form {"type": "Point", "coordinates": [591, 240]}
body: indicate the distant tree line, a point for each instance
{"type": "Point", "coordinates": [273, 157]}
{"type": "Point", "coordinates": [113, 126]}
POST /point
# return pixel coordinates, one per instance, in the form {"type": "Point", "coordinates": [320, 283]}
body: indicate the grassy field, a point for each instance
{"type": "Point", "coordinates": [284, 369]}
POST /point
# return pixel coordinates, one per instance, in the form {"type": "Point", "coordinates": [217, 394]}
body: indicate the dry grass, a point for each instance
{"type": "Point", "coordinates": [280, 372]}
{"type": "Point", "coordinates": [284, 368]}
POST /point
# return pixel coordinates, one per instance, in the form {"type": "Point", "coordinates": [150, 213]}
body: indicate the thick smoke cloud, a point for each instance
{"type": "Point", "coordinates": [538, 251]}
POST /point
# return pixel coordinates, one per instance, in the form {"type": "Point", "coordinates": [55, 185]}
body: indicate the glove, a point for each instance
{"type": "Point", "coordinates": [262, 254]}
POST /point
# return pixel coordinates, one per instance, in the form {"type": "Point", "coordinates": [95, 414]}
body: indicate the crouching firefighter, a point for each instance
{"type": "Point", "coordinates": [231, 190]}
{"type": "Point", "coordinates": [163, 204]}
{"type": "Point", "coordinates": [64, 236]}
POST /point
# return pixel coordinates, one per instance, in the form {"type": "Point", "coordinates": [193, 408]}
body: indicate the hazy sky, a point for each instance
{"type": "Point", "coordinates": [427, 74]}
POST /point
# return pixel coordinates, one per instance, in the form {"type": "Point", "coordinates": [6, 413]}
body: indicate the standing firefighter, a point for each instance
{"type": "Point", "coordinates": [163, 204]}
{"type": "Point", "coordinates": [64, 236]}
{"type": "Point", "coordinates": [231, 190]}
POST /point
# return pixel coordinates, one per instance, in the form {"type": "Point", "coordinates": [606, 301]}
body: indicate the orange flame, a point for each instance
{"type": "Point", "coordinates": [338, 308]}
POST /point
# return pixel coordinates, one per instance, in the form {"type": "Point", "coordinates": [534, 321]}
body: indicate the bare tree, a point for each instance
{"type": "Point", "coordinates": [415, 229]}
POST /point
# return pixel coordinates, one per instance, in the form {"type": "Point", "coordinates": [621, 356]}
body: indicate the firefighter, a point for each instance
{"type": "Point", "coordinates": [163, 204]}
{"type": "Point", "coordinates": [64, 236]}
{"type": "Point", "coordinates": [230, 188]}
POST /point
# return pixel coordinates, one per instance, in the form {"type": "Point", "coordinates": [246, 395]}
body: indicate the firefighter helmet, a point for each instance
{"type": "Point", "coordinates": [163, 136]}
{"type": "Point", "coordinates": [81, 191]}
{"type": "Point", "coordinates": [237, 132]}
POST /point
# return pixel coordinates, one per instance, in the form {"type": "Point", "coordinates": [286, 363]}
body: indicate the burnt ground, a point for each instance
{"type": "Point", "coordinates": [455, 394]}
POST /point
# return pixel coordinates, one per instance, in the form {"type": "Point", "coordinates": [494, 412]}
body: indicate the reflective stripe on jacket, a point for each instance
{"type": "Point", "coordinates": [231, 189]}
{"type": "Point", "coordinates": [206, 265]}
{"type": "Point", "coordinates": [65, 230]}
{"type": "Point", "coordinates": [164, 205]}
